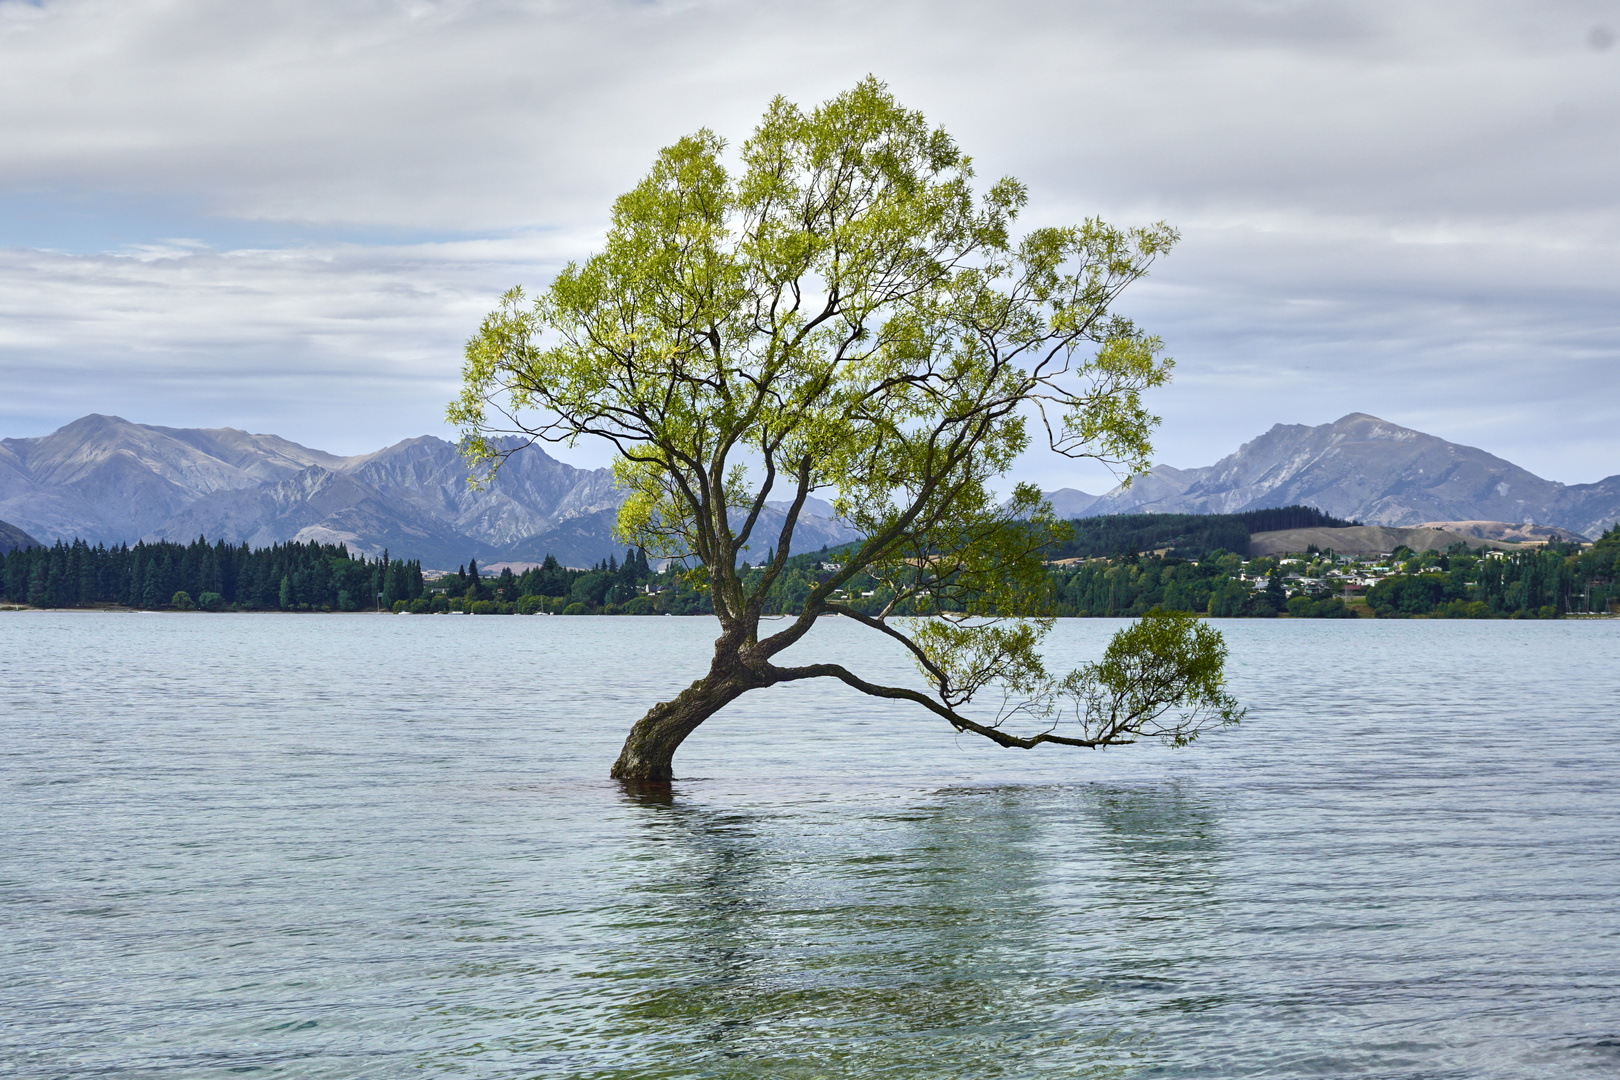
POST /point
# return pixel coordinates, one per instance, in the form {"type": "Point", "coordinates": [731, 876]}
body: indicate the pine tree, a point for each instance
{"type": "Point", "coordinates": [152, 594]}
{"type": "Point", "coordinates": [56, 577]}
{"type": "Point", "coordinates": [18, 567]}
{"type": "Point", "coordinates": [129, 585]}
{"type": "Point", "coordinates": [392, 589]}
{"type": "Point", "coordinates": [39, 582]}
{"type": "Point", "coordinates": [89, 592]}
{"type": "Point", "coordinates": [209, 577]}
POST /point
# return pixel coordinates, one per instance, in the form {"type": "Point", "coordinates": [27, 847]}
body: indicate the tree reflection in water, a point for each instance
{"type": "Point", "coordinates": [1011, 931]}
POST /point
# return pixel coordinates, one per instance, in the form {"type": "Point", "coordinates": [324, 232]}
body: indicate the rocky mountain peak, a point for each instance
{"type": "Point", "coordinates": [1366, 468]}
{"type": "Point", "coordinates": [106, 479]}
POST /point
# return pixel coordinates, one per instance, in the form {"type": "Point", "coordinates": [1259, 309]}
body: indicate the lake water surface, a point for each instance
{"type": "Point", "coordinates": [375, 846]}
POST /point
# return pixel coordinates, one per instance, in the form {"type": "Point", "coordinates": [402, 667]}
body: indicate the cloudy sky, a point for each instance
{"type": "Point", "coordinates": [287, 216]}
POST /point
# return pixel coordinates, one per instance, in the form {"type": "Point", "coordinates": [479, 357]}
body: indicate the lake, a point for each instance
{"type": "Point", "coordinates": [380, 846]}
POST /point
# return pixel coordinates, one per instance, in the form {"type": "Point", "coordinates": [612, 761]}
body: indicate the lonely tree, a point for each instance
{"type": "Point", "coordinates": [837, 310]}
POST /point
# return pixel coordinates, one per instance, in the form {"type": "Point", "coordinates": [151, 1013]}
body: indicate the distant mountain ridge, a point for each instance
{"type": "Point", "coordinates": [1363, 468]}
{"type": "Point", "coordinates": [105, 479]}
{"type": "Point", "coordinates": [12, 538]}
{"type": "Point", "coordinates": [108, 480]}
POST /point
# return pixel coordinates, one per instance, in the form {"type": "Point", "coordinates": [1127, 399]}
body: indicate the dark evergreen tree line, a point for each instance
{"type": "Point", "coordinates": [1276, 519]}
{"type": "Point", "coordinates": [1461, 582]}
{"type": "Point", "coordinates": [1187, 536]}
{"type": "Point", "coordinates": [283, 577]}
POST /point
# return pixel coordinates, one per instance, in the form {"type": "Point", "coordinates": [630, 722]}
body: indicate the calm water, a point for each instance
{"type": "Point", "coordinates": [363, 846]}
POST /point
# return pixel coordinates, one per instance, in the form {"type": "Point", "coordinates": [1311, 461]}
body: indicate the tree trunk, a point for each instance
{"type": "Point", "coordinates": [649, 750]}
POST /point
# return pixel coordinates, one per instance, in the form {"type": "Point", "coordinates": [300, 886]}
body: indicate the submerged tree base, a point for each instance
{"type": "Point", "coordinates": [649, 750]}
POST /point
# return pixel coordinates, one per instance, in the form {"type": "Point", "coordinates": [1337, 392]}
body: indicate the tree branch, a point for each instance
{"type": "Point", "coordinates": [958, 721]}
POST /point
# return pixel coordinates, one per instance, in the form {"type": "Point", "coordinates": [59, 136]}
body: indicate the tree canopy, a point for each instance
{"type": "Point", "coordinates": [835, 309]}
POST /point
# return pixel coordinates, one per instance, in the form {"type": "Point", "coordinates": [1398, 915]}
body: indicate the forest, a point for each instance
{"type": "Point", "coordinates": [1184, 536]}
{"type": "Point", "coordinates": [1461, 582]}
{"type": "Point", "coordinates": [213, 577]}
{"type": "Point", "coordinates": [1557, 579]}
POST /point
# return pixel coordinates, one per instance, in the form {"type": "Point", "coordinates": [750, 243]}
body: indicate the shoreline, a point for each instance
{"type": "Point", "coordinates": [1281, 617]}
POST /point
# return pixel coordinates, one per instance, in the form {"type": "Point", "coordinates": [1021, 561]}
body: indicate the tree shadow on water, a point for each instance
{"type": "Point", "coordinates": [1148, 900]}
{"type": "Point", "coordinates": [934, 937]}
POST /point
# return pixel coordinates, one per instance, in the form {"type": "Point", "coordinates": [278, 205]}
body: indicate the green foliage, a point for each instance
{"type": "Point", "coordinates": [181, 601]}
{"type": "Point", "coordinates": [833, 309]}
{"type": "Point", "coordinates": [1167, 665]}
{"type": "Point", "coordinates": [591, 589]}
{"type": "Point", "coordinates": [1276, 592]}
{"type": "Point", "coordinates": [1304, 607]}
{"type": "Point", "coordinates": [1463, 609]}
{"type": "Point", "coordinates": [1133, 586]}
{"type": "Point", "coordinates": [1228, 598]}
{"type": "Point", "coordinates": [547, 587]}
{"type": "Point", "coordinates": [964, 659]}
{"type": "Point", "coordinates": [1544, 583]}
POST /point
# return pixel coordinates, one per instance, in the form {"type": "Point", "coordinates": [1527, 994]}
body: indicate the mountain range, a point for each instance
{"type": "Point", "coordinates": [108, 480]}
{"type": "Point", "coordinates": [1365, 469]}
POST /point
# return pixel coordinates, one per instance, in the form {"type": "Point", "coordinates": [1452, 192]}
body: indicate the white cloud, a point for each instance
{"type": "Point", "coordinates": [1398, 208]}
{"type": "Point", "coordinates": [343, 347]}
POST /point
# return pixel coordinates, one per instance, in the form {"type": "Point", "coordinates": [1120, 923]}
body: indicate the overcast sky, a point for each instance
{"type": "Point", "coordinates": [288, 216]}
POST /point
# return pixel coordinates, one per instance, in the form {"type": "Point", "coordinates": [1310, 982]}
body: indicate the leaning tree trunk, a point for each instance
{"type": "Point", "coordinates": [649, 750]}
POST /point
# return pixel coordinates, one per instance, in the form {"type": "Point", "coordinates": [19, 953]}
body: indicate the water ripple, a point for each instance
{"type": "Point", "coordinates": [366, 846]}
